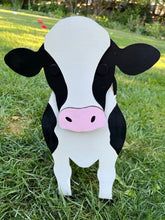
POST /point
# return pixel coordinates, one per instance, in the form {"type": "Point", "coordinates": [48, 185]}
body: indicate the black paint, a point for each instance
{"type": "Point", "coordinates": [136, 58]}
{"type": "Point", "coordinates": [24, 61]}
{"type": "Point", "coordinates": [48, 124]}
{"type": "Point", "coordinates": [104, 76]}
{"type": "Point", "coordinates": [57, 83]}
{"type": "Point", "coordinates": [117, 127]}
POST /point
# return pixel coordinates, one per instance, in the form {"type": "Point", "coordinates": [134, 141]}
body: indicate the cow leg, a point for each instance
{"type": "Point", "coordinates": [106, 174]}
{"type": "Point", "coordinates": [62, 171]}
{"type": "Point", "coordinates": [62, 168]}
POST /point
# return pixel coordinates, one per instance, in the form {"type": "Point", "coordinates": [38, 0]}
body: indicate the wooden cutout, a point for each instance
{"type": "Point", "coordinates": [82, 121]}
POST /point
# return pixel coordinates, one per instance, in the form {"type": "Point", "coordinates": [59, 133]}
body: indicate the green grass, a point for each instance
{"type": "Point", "coordinates": [28, 189]}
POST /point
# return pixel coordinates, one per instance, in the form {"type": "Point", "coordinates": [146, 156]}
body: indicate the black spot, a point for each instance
{"type": "Point", "coordinates": [104, 75]}
{"type": "Point", "coordinates": [57, 83]}
{"type": "Point", "coordinates": [102, 70]}
{"type": "Point", "coordinates": [48, 124]}
{"type": "Point", "coordinates": [117, 127]}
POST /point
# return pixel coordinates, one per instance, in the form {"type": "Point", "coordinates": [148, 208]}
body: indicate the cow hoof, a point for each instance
{"type": "Point", "coordinates": [108, 201]}
{"type": "Point", "coordinates": [64, 196]}
{"type": "Point", "coordinates": [69, 197]}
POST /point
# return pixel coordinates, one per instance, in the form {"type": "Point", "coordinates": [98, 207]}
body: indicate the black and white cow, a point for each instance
{"type": "Point", "coordinates": [82, 120]}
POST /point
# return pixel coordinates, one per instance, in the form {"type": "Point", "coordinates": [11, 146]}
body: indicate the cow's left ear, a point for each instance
{"type": "Point", "coordinates": [136, 58]}
{"type": "Point", "coordinates": [24, 61]}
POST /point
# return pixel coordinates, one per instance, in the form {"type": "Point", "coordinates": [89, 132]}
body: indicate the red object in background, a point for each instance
{"type": "Point", "coordinates": [40, 21]}
{"type": "Point", "coordinates": [44, 26]}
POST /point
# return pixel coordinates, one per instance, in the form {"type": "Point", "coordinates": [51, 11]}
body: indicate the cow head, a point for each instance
{"type": "Point", "coordinates": [79, 61]}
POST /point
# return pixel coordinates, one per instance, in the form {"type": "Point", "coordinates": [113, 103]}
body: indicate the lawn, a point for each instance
{"type": "Point", "coordinates": [28, 189]}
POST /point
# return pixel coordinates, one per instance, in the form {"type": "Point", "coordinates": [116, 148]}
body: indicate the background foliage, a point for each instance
{"type": "Point", "coordinates": [141, 16]}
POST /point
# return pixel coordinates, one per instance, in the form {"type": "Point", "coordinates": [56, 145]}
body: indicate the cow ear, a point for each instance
{"type": "Point", "coordinates": [24, 61]}
{"type": "Point", "coordinates": [137, 58]}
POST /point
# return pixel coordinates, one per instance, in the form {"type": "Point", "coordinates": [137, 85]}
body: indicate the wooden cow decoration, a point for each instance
{"type": "Point", "coordinates": [82, 120]}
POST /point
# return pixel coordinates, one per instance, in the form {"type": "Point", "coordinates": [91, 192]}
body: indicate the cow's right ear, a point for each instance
{"type": "Point", "coordinates": [24, 61]}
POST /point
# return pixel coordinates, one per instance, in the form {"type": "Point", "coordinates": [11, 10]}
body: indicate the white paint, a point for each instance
{"type": "Point", "coordinates": [77, 44]}
{"type": "Point", "coordinates": [85, 149]}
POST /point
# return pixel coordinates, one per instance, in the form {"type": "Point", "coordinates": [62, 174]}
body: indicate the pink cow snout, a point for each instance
{"type": "Point", "coordinates": [82, 119]}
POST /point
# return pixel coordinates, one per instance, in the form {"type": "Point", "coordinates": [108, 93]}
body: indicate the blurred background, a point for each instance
{"type": "Point", "coordinates": [140, 16]}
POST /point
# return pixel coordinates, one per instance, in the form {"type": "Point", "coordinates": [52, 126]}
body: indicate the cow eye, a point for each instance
{"type": "Point", "coordinates": [102, 70]}
{"type": "Point", "coordinates": [54, 70]}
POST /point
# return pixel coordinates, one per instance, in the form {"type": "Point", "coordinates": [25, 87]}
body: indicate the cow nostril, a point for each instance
{"type": "Point", "coordinates": [68, 119]}
{"type": "Point", "coordinates": [93, 119]}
